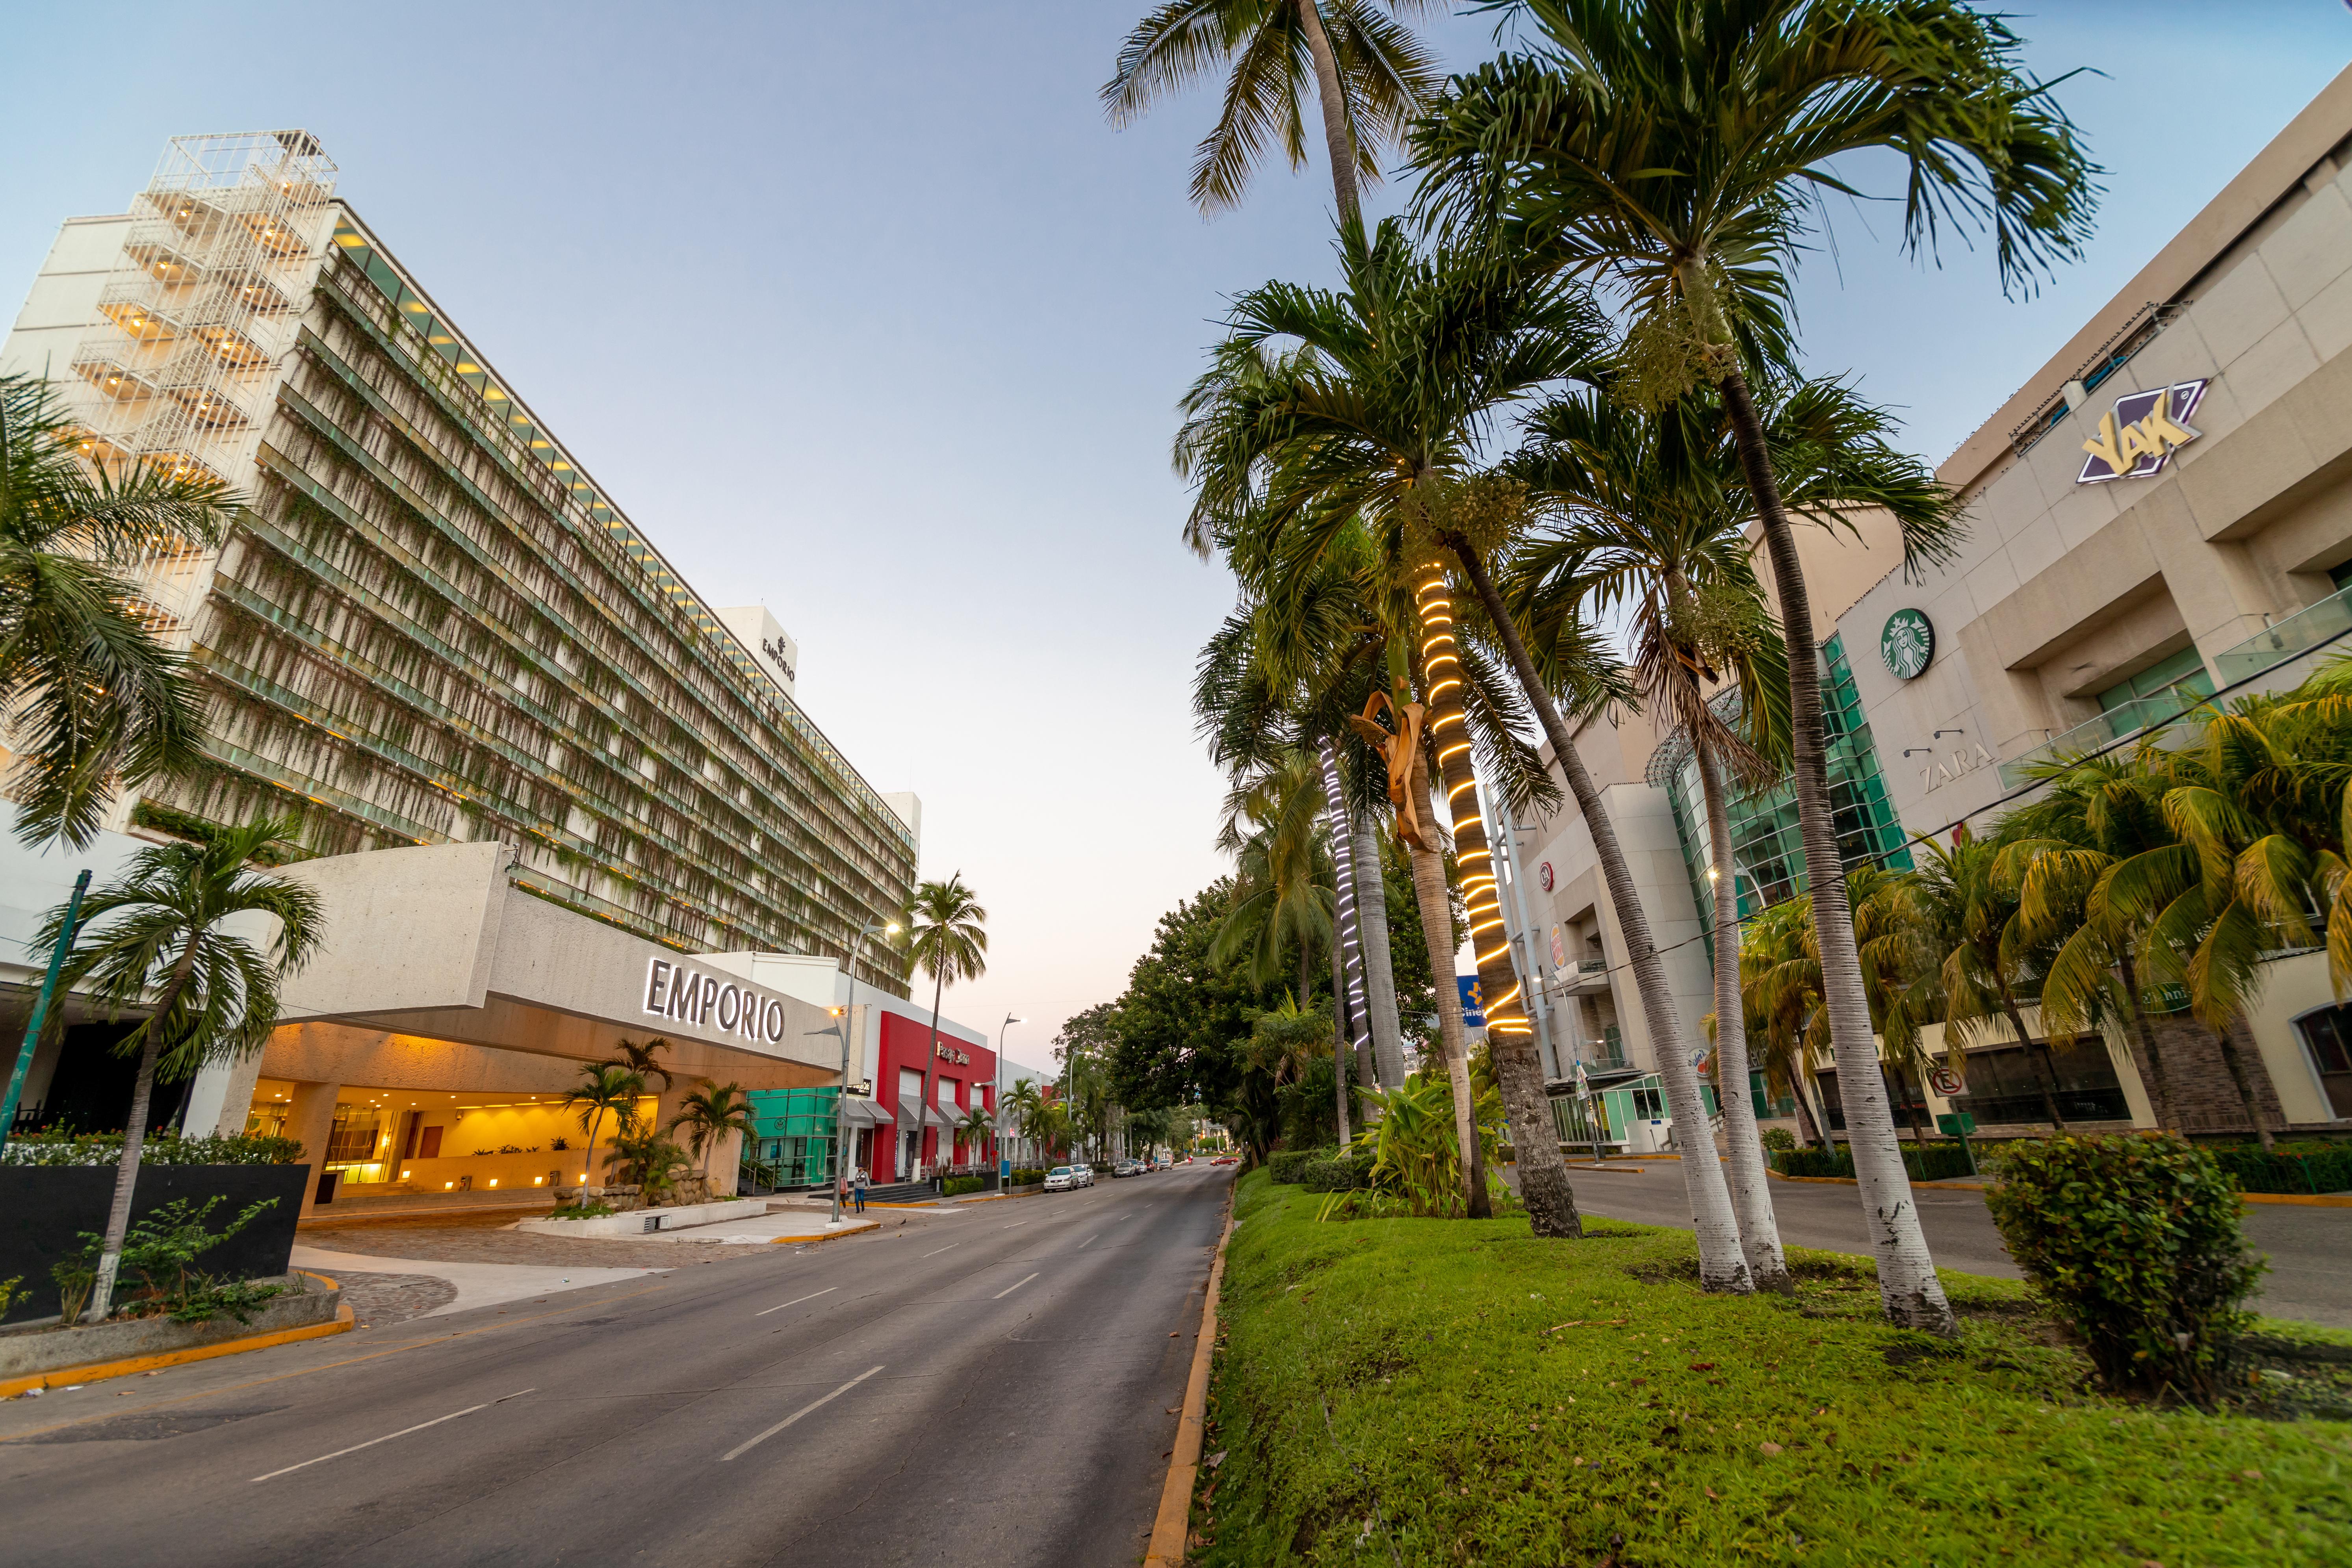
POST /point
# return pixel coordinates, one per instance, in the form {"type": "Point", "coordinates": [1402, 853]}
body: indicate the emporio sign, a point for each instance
{"type": "Point", "coordinates": [690, 996]}
{"type": "Point", "coordinates": [2136, 440]}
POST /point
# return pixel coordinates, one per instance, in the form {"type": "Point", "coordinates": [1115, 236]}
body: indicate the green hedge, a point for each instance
{"type": "Point", "coordinates": [1329, 1175]}
{"type": "Point", "coordinates": [1927, 1163]}
{"type": "Point", "coordinates": [956, 1186]}
{"type": "Point", "coordinates": [106, 1149]}
{"type": "Point", "coordinates": [2315, 1168]}
{"type": "Point", "coordinates": [1028, 1176]}
{"type": "Point", "coordinates": [1288, 1166]}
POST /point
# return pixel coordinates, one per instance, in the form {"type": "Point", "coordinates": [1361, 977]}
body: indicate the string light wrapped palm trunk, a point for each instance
{"type": "Point", "coordinates": [1510, 1038]}
{"type": "Point", "coordinates": [1352, 971]}
{"type": "Point", "coordinates": [1380, 967]}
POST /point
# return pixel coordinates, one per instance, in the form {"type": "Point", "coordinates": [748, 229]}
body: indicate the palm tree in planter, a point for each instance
{"type": "Point", "coordinates": [98, 701]}
{"type": "Point", "coordinates": [643, 1061]}
{"type": "Point", "coordinates": [948, 939]}
{"type": "Point", "coordinates": [645, 1158]}
{"type": "Point", "coordinates": [606, 1089]}
{"type": "Point", "coordinates": [708, 1114]}
{"type": "Point", "coordinates": [153, 937]}
{"type": "Point", "coordinates": [1675, 149]}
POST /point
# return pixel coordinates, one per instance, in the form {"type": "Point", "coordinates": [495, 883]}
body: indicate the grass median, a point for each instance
{"type": "Point", "coordinates": [1449, 1391]}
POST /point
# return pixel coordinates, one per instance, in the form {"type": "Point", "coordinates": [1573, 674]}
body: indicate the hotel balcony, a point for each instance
{"type": "Point", "coordinates": [167, 264]}
{"type": "Point", "coordinates": [132, 307]}
{"type": "Point", "coordinates": [232, 348]}
{"type": "Point", "coordinates": [1581, 977]}
{"type": "Point", "coordinates": [106, 365]}
{"type": "Point", "coordinates": [237, 292]}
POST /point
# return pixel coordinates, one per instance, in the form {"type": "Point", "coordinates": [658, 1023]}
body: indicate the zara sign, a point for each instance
{"type": "Point", "coordinates": [691, 997]}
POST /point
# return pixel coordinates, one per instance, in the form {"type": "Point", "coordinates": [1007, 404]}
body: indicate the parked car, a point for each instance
{"type": "Point", "coordinates": [1226, 1160]}
{"type": "Point", "coordinates": [1061, 1179]}
{"type": "Point", "coordinates": [1127, 1168]}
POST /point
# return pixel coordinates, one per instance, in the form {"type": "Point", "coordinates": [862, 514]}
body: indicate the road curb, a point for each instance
{"type": "Point", "coordinates": [1173, 1526]}
{"type": "Point", "coordinates": [99, 1371]}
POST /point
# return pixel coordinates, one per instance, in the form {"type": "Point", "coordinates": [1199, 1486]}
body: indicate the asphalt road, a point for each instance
{"type": "Point", "coordinates": [2310, 1248]}
{"type": "Point", "coordinates": [997, 1386]}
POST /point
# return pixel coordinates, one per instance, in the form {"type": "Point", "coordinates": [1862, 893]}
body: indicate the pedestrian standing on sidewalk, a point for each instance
{"type": "Point", "coordinates": [860, 1185]}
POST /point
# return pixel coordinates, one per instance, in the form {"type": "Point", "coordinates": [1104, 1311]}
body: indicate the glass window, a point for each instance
{"type": "Point", "coordinates": [2327, 1035]}
{"type": "Point", "coordinates": [2185, 665]}
{"type": "Point", "coordinates": [2005, 1084]}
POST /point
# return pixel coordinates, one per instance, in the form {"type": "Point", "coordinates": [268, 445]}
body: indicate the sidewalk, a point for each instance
{"type": "Point", "coordinates": [477, 1284]}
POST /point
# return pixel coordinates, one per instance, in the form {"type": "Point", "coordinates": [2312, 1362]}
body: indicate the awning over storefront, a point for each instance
{"type": "Point", "coordinates": [911, 1116]}
{"type": "Point", "coordinates": [856, 1112]}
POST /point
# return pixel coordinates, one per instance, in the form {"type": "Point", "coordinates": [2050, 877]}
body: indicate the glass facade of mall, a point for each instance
{"type": "Point", "coordinates": [1766, 846]}
{"type": "Point", "coordinates": [429, 624]}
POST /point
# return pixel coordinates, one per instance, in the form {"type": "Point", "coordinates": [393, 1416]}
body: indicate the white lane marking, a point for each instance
{"type": "Point", "coordinates": [803, 1410]}
{"type": "Point", "coordinates": [1015, 1223]}
{"type": "Point", "coordinates": [950, 1247]}
{"type": "Point", "coordinates": [388, 1436]}
{"type": "Point", "coordinates": [1083, 1244]}
{"type": "Point", "coordinates": [796, 1300]}
{"type": "Point", "coordinates": [1012, 1288]}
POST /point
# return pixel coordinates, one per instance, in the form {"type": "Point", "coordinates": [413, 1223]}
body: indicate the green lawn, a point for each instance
{"type": "Point", "coordinates": [1428, 1391]}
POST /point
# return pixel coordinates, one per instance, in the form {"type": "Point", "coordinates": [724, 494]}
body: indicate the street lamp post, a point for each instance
{"type": "Point", "coordinates": [848, 1014]}
{"type": "Point", "coordinates": [1004, 1030]}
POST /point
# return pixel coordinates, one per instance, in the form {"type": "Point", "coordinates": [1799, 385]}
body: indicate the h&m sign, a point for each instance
{"type": "Point", "coordinates": [691, 997]}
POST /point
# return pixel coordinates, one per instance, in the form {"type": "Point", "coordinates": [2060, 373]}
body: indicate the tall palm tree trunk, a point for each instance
{"type": "Point", "coordinates": [2227, 1040]}
{"type": "Point", "coordinates": [1751, 1198]}
{"type": "Point", "coordinates": [1380, 967]}
{"type": "Point", "coordinates": [2160, 1089]}
{"type": "Point", "coordinates": [126, 1181]}
{"type": "Point", "coordinates": [1437, 929]}
{"type": "Point", "coordinates": [1339, 136]}
{"type": "Point", "coordinates": [1907, 1287]}
{"type": "Point", "coordinates": [2046, 1072]}
{"type": "Point", "coordinates": [1722, 1266]}
{"type": "Point", "coordinates": [1349, 989]}
{"type": "Point", "coordinates": [1510, 1039]}
{"type": "Point", "coordinates": [931, 1066]}
{"type": "Point", "coordinates": [1343, 1051]}
{"type": "Point", "coordinates": [135, 1137]}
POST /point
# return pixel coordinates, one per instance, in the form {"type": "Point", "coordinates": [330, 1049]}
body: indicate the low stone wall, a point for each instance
{"type": "Point", "coordinates": [637, 1222]}
{"type": "Point", "coordinates": [39, 1348]}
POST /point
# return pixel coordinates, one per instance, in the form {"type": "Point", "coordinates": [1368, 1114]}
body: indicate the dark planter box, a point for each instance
{"type": "Point", "coordinates": [44, 1209]}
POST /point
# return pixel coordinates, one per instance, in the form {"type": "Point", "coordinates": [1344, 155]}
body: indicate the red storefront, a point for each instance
{"type": "Point", "coordinates": [963, 1078]}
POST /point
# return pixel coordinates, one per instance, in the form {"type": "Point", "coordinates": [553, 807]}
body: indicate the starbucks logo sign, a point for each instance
{"type": "Point", "coordinates": [1907, 643]}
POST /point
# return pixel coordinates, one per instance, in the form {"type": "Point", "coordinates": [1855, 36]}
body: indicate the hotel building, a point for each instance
{"type": "Point", "coordinates": [2102, 590]}
{"type": "Point", "coordinates": [435, 640]}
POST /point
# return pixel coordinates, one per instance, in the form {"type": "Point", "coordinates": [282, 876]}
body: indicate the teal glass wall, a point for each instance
{"type": "Point", "coordinates": [1765, 845]}
{"type": "Point", "coordinates": [792, 1144]}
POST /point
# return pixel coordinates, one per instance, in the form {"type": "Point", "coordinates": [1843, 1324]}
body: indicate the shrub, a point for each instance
{"type": "Point", "coordinates": [1329, 1175]}
{"type": "Point", "coordinates": [956, 1186]}
{"type": "Point", "coordinates": [1780, 1139]}
{"type": "Point", "coordinates": [1028, 1176]}
{"type": "Point", "coordinates": [2137, 1241]}
{"type": "Point", "coordinates": [2313, 1168]}
{"type": "Point", "coordinates": [163, 1148]}
{"type": "Point", "coordinates": [1926, 1163]}
{"type": "Point", "coordinates": [1288, 1166]}
{"type": "Point", "coordinates": [593, 1210]}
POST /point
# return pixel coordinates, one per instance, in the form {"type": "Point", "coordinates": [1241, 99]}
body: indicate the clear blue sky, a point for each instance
{"type": "Point", "coordinates": [862, 310]}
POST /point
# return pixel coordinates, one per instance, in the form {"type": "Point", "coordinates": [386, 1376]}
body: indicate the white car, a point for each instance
{"type": "Point", "coordinates": [1062, 1178]}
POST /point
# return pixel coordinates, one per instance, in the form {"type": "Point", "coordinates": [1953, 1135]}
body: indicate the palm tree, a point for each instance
{"type": "Point", "coordinates": [1979, 952]}
{"type": "Point", "coordinates": [948, 939]}
{"type": "Point", "coordinates": [977, 1128]}
{"type": "Point", "coordinates": [153, 938]}
{"type": "Point", "coordinates": [95, 699]}
{"type": "Point", "coordinates": [644, 1157]}
{"type": "Point", "coordinates": [1375, 419]}
{"type": "Point", "coordinates": [603, 1088]}
{"type": "Point", "coordinates": [641, 1060]}
{"type": "Point", "coordinates": [708, 1114]}
{"type": "Point", "coordinates": [1676, 148]}
{"type": "Point", "coordinates": [1372, 77]}
{"type": "Point", "coordinates": [1282, 887]}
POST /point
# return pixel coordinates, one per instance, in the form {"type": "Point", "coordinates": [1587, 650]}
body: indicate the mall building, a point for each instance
{"type": "Point", "coordinates": [2160, 514]}
{"type": "Point", "coordinates": [434, 640]}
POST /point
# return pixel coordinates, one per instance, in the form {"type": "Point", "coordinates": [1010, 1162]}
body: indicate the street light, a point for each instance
{"type": "Point", "coordinates": [848, 1013]}
{"type": "Point", "coordinates": [1002, 1029]}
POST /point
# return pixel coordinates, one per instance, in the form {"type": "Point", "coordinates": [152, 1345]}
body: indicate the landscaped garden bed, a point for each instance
{"type": "Point", "coordinates": [1422, 1390]}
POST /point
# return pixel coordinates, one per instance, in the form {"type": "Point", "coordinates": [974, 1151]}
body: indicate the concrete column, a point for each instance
{"type": "Point", "coordinates": [221, 1098]}
{"type": "Point", "coordinates": [310, 1118]}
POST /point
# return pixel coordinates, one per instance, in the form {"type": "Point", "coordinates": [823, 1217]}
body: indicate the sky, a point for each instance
{"type": "Point", "coordinates": [863, 311]}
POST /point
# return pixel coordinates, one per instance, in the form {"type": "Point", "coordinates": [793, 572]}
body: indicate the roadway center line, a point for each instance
{"type": "Point", "coordinates": [1090, 1238]}
{"type": "Point", "coordinates": [803, 1410]}
{"type": "Point", "coordinates": [796, 1300]}
{"type": "Point", "coordinates": [388, 1436]}
{"type": "Point", "coordinates": [1012, 1288]}
{"type": "Point", "coordinates": [1017, 1222]}
{"type": "Point", "coordinates": [950, 1247]}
